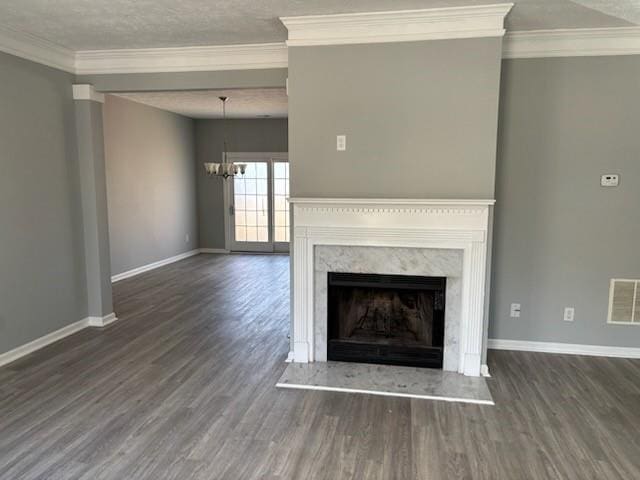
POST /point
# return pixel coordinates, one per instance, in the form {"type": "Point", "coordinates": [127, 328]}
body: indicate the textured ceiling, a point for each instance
{"type": "Point", "coordinates": [242, 103]}
{"type": "Point", "coordinates": [107, 24]}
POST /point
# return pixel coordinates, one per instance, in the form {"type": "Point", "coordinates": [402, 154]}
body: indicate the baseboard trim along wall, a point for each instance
{"type": "Point", "coordinates": [565, 348]}
{"type": "Point", "coordinates": [48, 339]}
{"type": "Point", "coordinates": [214, 250]}
{"type": "Point", "coordinates": [102, 321]}
{"type": "Point", "coordinates": [154, 265]}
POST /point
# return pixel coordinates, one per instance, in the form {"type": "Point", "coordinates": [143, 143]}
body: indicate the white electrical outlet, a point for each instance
{"type": "Point", "coordinates": [609, 180]}
{"type": "Point", "coordinates": [186, 238]}
{"type": "Point", "coordinates": [341, 143]}
{"type": "Point", "coordinates": [515, 310]}
{"type": "Point", "coordinates": [569, 314]}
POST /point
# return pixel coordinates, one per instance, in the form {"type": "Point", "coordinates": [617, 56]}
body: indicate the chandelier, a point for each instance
{"type": "Point", "coordinates": [225, 169]}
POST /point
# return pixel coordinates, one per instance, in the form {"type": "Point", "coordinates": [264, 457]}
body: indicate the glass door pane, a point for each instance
{"type": "Point", "coordinates": [280, 204]}
{"type": "Point", "coordinates": [251, 208]}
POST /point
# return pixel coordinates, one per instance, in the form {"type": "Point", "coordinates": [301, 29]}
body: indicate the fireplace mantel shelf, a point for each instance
{"type": "Point", "coordinates": [392, 201]}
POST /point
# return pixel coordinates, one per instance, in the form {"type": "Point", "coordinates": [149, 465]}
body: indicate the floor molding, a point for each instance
{"type": "Point", "coordinates": [102, 321]}
{"type": "Point", "coordinates": [49, 338]}
{"type": "Point", "coordinates": [154, 265]}
{"type": "Point", "coordinates": [214, 250]}
{"type": "Point", "coordinates": [565, 348]}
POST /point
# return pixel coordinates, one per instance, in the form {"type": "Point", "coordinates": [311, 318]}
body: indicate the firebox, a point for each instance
{"type": "Point", "coordinates": [388, 319]}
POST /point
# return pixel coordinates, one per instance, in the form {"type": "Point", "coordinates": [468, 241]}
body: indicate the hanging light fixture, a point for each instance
{"type": "Point", "coordinates": [225, 169]}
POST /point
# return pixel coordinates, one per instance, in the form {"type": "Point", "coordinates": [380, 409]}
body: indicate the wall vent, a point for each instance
{"type": "Point", "coordinates": [624, 301]}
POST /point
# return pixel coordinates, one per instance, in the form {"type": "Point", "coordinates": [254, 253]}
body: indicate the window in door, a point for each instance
{"type": "Point", "coordinates": [251, 204]}
{"type": "Point", "coordinates": [280, 204]}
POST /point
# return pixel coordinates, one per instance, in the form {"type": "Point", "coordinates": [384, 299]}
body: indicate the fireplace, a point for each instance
{"type": "Point", "coordinates": [421, 237]}
{"type": "Point", "coordinates": [388, 319]}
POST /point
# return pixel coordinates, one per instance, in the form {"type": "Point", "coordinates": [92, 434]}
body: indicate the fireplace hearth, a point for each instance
{"type": "Point", "coordinates": [386, 319]}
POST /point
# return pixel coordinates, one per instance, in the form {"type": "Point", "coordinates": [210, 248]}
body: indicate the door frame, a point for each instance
{"type": "Point", "coordinates": [239, 157]}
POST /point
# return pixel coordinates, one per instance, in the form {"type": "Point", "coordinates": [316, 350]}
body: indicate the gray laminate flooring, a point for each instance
{"type": "Point", "coordinates": [183, 387]}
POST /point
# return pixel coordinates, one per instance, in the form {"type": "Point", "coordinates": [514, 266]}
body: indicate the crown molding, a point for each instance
{"type": "Point", "coordinates": [410, 25]}
{"type": "Point", "coordinates": [577, 42]}
{"type": "Point", "coordinates": [397, 26]}
{"type": "Point", "coordinates": [36, 49]}
{"type": "Point", "coordinates": [182, 59]}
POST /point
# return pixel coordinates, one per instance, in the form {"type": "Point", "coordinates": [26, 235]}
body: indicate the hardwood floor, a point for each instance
{"type": "Point", "coordinates": [182, 387]}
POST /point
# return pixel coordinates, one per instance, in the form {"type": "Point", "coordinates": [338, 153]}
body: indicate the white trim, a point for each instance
{"type": "Point", "coordinates": [42, 342]}
{"type": "Point", "coordinates": [397, 26]}
{"type": "Point", "coordinates": [383, 393]}
{"type": "Point", "coordinates": [576, 42]}
{"type": "Point", "coordinates": [87, 92]}
{"type": "Point", "coordinates": [154, 265]}
{"type": "Point", "coordinates": [484, 371]}
{"type": "Point", "coordinates": [214, 250]}
{"type": "Point", "coordinates": [102, 321]}
{"type": "Point", "coordinates": [48, 339]}
{"type": "Point", "coordinates": [290, 357]}
{"type": "Point", "coordinates": [565, 348]}
{"type": "Point", "coordinates": [391, 201]}
{"type": "Point", "coordinates": [36, 49]}
{"type": "Point", "coordinates": [182, 59]}
{"type": "Point", "coordinates": [424, 223]}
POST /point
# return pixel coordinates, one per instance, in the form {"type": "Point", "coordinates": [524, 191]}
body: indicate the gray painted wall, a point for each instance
{"type": "Point", "coordinates": [259, 135]}
{"type": "Point", "coordinates": [151, 183]}
{"type": "Point", "coordinates": [420, 119]}
{"type": "Point", "coordinates": [42, 271]}
{"type": "Point", "coordinates": [559, 237]}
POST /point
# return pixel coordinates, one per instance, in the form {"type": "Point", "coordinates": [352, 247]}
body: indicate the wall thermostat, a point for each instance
{"type": "Point", "coordinates": [610, 180]}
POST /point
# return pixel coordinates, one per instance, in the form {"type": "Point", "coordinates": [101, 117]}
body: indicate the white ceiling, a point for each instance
{"type": "Point", "coordinates": [114, 24]}
{"type": "Point", "coordinates": [242, 103]}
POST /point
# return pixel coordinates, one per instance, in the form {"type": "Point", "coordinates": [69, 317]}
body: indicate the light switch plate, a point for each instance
{"type": "Point", "coordinates": [569, 314]}
{"type": "Point", "coordinates": [610, 180]}
{"type": "Point", "coordinates": [341, 143]}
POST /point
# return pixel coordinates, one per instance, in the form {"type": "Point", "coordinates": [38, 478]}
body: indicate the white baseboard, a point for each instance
{"type": "Point", "coordinates": [484, 371]}
{"type": "Point", "coordinates": [38, 343]}
{"type": "Point", "coordinates": [151, 266]}
{"type": "Point", "coordinates": [52, 337]}
{"type": "Point", "coordinates": [41, 342]}
{"type": "Point", "coordinates": [102, 321]}
{"type": "Point", "coordinates": [565, 348]}
{"type": "Point", "coordinates": [214, 250]}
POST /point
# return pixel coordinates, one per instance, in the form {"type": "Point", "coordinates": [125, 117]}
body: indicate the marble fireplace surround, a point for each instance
{"type": "Point", "coordinates": [420, 236]}
{"type": "Point", "coordinates": [433, 262]}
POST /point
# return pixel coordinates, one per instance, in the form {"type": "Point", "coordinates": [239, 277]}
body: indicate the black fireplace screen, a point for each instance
{"type": "Point", "coordinates": [391, 319]}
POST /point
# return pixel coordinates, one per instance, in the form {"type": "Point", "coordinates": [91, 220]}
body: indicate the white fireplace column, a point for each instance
{"type": "Point", "coordinates": [402, 223]}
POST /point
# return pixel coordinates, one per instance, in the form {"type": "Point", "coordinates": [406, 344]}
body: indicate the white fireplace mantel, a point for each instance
{"type": "Point", "coordinates": [418, 223]}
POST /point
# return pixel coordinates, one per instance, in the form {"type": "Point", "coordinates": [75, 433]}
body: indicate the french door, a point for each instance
{"type": "Point", "coordinates": [257, 203]}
